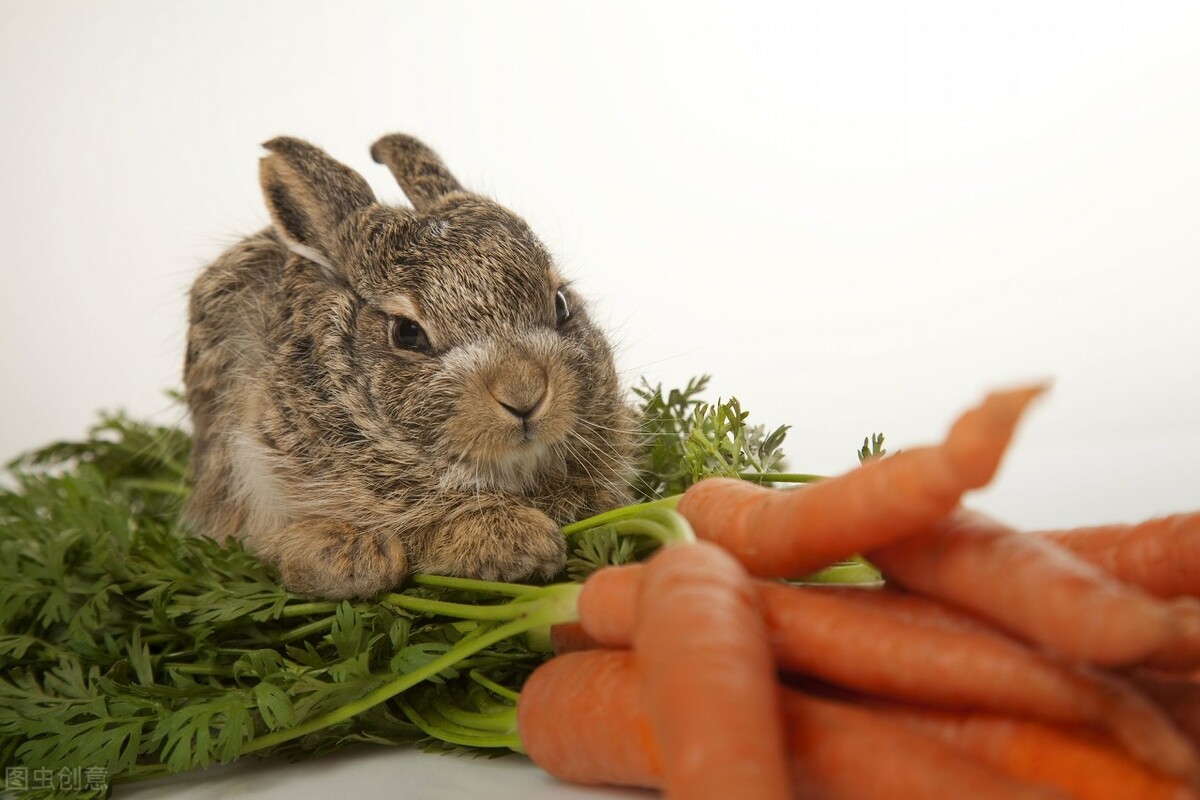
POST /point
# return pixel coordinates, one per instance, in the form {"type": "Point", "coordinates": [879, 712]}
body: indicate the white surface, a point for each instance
{"type": "Point", "coordinates": [368, 773]}
{"type": "Point", "coordinates": [858, 216]}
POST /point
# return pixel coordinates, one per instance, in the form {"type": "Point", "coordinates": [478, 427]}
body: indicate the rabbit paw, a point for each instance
{"type": "Point", "coordinates": [333, 561]}
{"type": "Point", "coordinates": [502, 544]}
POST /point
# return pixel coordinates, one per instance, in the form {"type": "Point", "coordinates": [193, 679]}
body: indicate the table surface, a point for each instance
{"type": "Point", "coordinates": [366, 772]}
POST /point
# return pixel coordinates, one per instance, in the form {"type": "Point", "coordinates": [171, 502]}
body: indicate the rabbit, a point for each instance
{"type": "Point", "coordinates": [377, 390]}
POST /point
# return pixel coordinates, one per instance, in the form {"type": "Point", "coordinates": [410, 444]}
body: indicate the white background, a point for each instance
{"type": "Point", "coordinates": [857, 216]}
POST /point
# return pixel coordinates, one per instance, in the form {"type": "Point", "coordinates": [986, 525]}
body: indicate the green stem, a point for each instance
{"type": "Point", "coordinates": [510, 610]}
{"type": "Point", "coordinates": [483, 699]}
{"type": "Point", "coordinates": [307, 609]}
{"type": "Point", "coordinates": [665, 525]}
{"type": "Point", "coordinates": [200, 669]}
{"type": "Point", "coordinates": [492, 686]}
{"type": "Point", "coordinates": [781, 477]}
{"type": "Point", "coordinates": [316, 626]}
{"type": "Point", "coordinates": [617, 514]}
{"type": "Point", "coordinates": [473, 585]}
{"type": "Point", "coordinates": [557, 604]}
{"type": "Point", "coordinates": [858, 571]}
{"type": "Point", "coordinates": [161, 487]}
{"type": "Point", "coordinates": [495, 721]}
{"type": "Point", "coordinates": [492, 660]}
{"type": "Point", "coordinates": [440, 728]}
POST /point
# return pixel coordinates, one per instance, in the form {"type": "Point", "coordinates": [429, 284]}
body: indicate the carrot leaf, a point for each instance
{"type": "Point", "coordinates": [688, 439]}
{"type": "Point", "coordinates": [604, 546]}
{"type": "Point", "coordinates": [872, 447]}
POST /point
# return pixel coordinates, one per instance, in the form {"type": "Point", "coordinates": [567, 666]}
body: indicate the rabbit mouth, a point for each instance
{"type": "Point", "coordinates": [517, 471]}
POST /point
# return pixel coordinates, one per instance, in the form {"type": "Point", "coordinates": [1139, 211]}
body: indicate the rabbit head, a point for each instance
{"type": "Point", "coordinates": [438, 340]}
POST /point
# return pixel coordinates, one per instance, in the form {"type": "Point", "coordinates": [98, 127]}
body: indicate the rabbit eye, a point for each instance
{"type": "Point", "coordinates": [562, 311]}
{"type": "Point", "coordinates": [408, 335]}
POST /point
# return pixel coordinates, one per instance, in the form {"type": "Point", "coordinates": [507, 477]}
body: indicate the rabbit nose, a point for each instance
{"type": "Point", "coordinates": [521, 390]}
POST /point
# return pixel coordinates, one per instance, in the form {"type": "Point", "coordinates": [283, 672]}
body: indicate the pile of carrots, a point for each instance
{"type": "Point", "coordinates": [993, 663]}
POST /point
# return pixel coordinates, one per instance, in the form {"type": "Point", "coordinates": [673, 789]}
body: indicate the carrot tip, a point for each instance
{"type": "Point", "coordinates": [977, 441]}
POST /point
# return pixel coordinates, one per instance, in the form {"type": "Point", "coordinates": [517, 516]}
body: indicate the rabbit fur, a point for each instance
{"type": "Point", "coordinates": [376, 390]}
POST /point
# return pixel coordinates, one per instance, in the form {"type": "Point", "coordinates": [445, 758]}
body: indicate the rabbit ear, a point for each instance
{"type": "Point", "coordinates": [309, 195]}
{"type": "Point", "coordinates": [418, 170]}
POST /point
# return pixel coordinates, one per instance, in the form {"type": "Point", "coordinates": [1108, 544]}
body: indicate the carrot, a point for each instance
{"type": "Point", "coordinates": [842, 751]}
{"type": "Point", "coordinates": [582, 717]}
{"type": "Point", "coordinates": [1031, 588]}
{"type": "Point", "coordinates": [1178, 695]}
{"type": "Point", "coordinates": [569, 637]}
{"type": "Point", "coordinates": [1079, 761]}
{"type": "Point", "coordinates": [911, 648]}
{"type": "Point", "coordinates": [786, 533]}
{"type": "Point", "coordinates": [708, 676]}
{"type": "Point", "coordinates": [608, 604]}
{"type": "Point", "coordinates": [1183, 652]}
{"type": "Point", "coordinates": [1160, 555]}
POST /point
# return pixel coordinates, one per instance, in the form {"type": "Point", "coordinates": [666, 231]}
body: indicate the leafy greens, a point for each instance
{"type": "Point", "coordinates": [132, 650]}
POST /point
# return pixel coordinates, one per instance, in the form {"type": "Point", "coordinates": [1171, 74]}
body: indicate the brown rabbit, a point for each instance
{"type": "Point", "coordinates": [376, 390]}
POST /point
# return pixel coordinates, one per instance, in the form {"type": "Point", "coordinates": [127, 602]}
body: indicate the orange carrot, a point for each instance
{"type": "Point", "coordinates": [842, 751]}
{"type": "Point", "coordinates": [911, 648]}
{"type": "Point", "coordinates": [1183, 652]}
{"type": "Point", "coordinates": [786, 533]}
{"type": "Point", "coordinates": [1079, 761]}
{"type": "Point", "coordinates": [1160, 555]}
{"type": "Point", "coordinates": [583, 718]}
{"type": "Point", "coordinates": [1178, 695]}
{"type": "Point", "coordinates": [569, 637]}
{"type": "Point", "coordinates": [1031, 588]}
{"type": "Point", "coordinates": [608, 604]}
{"type": "Point", "coordinates": [708, 676]}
